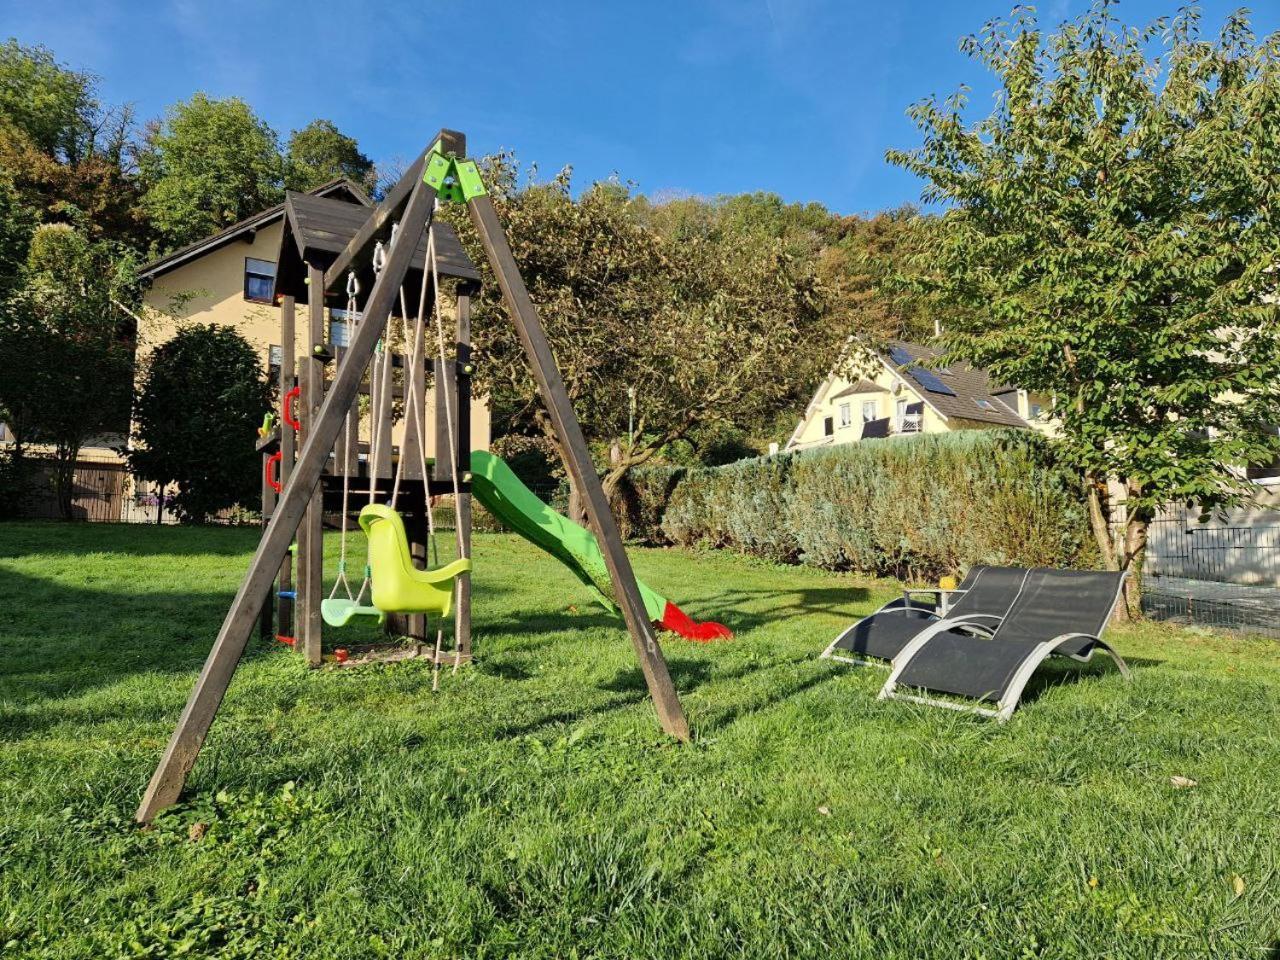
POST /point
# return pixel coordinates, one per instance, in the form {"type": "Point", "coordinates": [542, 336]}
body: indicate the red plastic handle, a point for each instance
{"type": "Point", "coordinates": [289, 418]}
{"type": "Point", "coordinates": [273, 481]}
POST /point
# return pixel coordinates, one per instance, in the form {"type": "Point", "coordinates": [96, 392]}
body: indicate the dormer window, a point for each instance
{"type": "Point", "coordinates": [259, 280]}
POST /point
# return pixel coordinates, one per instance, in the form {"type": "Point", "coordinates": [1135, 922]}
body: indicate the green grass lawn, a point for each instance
{"type": "Point", "coordinates": [532, 807]}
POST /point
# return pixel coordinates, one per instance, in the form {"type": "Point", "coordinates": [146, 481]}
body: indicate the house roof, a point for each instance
{"type": "Point", "coordinates": [862, 386]}
{"type": "Point", "coordinates": [957, 390]}
{"type": "Point", "coordinates": [318, 229]}
{"type": "Point", "coordinates": [250, 225]}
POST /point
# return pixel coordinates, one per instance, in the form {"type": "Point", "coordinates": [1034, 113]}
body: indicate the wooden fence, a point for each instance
{"type": "Point", "coordinates": [98, 495]}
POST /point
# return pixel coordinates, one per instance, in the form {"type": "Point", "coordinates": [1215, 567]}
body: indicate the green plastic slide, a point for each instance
{"type": "Point", "coordinates": [505, 496]}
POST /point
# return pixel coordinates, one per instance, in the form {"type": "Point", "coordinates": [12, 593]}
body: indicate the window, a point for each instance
{"type": "Point", "coordinates": [340, 327]}
{"type": "Point", "coordinates": [846, 415]}
{"type": "Point", "coordinates": [870, 410]}
{"type": "Point", "coordinates": [275, 356]}
{"type": "Point", "coordinates": [828, 426]}
{"type": "Point", "coordinates": [259, 280]}
{"type": "Point", "coordinates": [1034, 410]}
{"type": "Point", "coordinates": [984, 404]}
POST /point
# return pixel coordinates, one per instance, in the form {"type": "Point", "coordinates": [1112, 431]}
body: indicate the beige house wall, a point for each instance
{"type": "Point", "coordinates": [210, 289]}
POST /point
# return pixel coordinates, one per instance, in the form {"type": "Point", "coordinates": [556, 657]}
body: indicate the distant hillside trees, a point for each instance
{"type": "Point", "coordinates": [655, 338]}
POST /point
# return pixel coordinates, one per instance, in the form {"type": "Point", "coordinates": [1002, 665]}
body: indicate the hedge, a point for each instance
{"type": "Point", "coordinates": [914, 507]}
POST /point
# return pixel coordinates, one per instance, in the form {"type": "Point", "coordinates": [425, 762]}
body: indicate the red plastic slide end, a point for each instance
{"type": "Point", "coordinates": [677, 621]}
{"type": "Point", "coordinates": [287, 641]}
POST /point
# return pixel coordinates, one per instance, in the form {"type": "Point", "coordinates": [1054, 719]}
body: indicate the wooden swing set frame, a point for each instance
{"type": "Point", "coordinates": [412, 203]}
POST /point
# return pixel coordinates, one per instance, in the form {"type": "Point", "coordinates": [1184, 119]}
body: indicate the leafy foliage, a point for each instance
{"type": "Point", "coordinates": [1111, 236]}
{"type": "Point", "coordinates": [65, 324]}
{"type": "Point", "coordinates": [320, 152]}
{"type": "Point", "coordinates": [197, 413]}
{"type": "Point", "coordinates": [711, 329]}
{"type": "Point", "coordinates": [53, 106]}
{"type": "Point", "coordinates": [64, 153]}
{"type": "Point", "coordinates": [860, 270]}
{"type": "Point", "coordinates": [207, 165]}
{"type": "Point", "coordinates": [918, 506]}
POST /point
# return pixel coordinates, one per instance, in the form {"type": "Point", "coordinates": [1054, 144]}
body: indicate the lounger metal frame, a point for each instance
{"type": "Point", "coordinates": [1008, 703]}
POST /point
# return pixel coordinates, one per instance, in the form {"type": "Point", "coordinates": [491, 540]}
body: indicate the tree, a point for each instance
{"type": "Point", "coordinates": [320, 152]}
{"type": "Point", "coordinates": [200, 404]}
{"type": "Point", "coordinates": [17, 221]}
{"type": "Point", "coordinates": [705, 331]}
{"type": "Point", "coordinates": [55, 107]}
{"type": "Point", "coordinates": [66, 154]}
{"type": "Point", "coordinates": [1111, 234]}
{"type": "Point", "coordinates": [861, 268]}
{"type": "Point", "coordinates": [210, 163]}
{"type": "Point", "coordinates": [68, 377]}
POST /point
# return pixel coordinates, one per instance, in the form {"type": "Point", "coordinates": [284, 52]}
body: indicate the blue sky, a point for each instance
{"type": "Point", "coordinates": [800, 97]}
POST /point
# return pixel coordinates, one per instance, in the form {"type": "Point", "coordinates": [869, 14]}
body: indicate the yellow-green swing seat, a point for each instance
{"type": "Point", "coordinates": [399, 586]}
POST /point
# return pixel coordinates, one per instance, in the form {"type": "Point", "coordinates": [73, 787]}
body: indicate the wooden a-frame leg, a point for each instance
{"type": "Point", "coordinates": [188, 737]}
{"type": "Point", "coordinates": [581, 468]}
{"type": "Point", "coordinates": [311, 590]}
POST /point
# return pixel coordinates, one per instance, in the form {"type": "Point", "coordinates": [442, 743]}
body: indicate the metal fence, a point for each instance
{"type": "Point", "coordinates": [1224, 573]}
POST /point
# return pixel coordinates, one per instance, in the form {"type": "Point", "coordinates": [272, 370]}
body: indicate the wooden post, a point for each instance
{"type": "Point", "coordinates": [312, 586]}
{"type": "Point", "coordinates": [288, 451]}
{"type": "Point", "coordinates": [266, 619]}
{"type": "Point", "coordinates": [581, 468]}
{"type": "Point", "coordinates": [462, 508]}
{"type": "Point", "coordinates": [193, 726]}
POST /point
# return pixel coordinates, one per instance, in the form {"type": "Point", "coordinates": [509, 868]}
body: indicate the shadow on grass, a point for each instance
{"type": "Point", "coordinates": [727, 606]}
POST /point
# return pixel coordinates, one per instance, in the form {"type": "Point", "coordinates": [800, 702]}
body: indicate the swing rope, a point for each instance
{"type": "Point", "coordinates": [443, 389]}
{"type": "Point", "coordinates": [353, 290]}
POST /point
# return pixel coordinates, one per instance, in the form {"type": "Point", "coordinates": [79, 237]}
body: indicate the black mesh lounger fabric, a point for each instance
{"type": "Point", "coordinates": [1052, 603]}
{"type": "Point", "coordinates": [884, 634]}
{"type": "Point", "coordinates": [1055, 602]}
{"type": "Point", "coordinates": [992, 593]}
{"type": "Point", "coordinates": [965, 665]}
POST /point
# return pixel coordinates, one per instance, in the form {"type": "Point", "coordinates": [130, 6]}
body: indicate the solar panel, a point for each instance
{"type": "Point", "coordinates": [919, 374]}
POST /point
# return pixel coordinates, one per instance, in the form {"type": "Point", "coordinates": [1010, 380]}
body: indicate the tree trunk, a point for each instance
{"type": "Point", "coordinates": [64, 478]}
{"type": "Point", "coordinates": [577, 506]}
{"type": "Point", "coordinates": [1100, 522]}
{"type": "Point", "coordinates": [1136, 531]}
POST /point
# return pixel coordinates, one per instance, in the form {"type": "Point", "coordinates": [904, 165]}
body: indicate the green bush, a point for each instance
{"type": "Point", "coordinates": [15, 484]}
{"type": "Point", "coordinates": [914, 506]}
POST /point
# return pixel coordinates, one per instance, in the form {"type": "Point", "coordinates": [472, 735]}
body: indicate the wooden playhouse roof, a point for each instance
{"type": "Point", "coordinates": [316, 230]}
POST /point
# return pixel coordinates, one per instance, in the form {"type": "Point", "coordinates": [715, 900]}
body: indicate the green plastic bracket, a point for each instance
{"type": "Point", "coordinates": [436, 170]}
{"type": "Point", "coordinates": [468, 176]}
{"type": "Point", "coordinates": [455, 181]}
